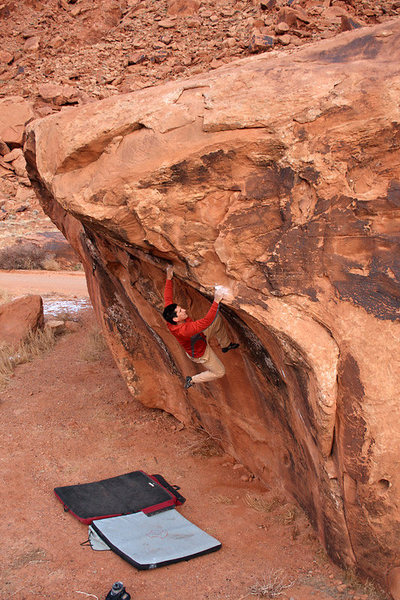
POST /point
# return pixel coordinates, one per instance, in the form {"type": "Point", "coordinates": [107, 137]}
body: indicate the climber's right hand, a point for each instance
{"type": "Point", "coordinates": [218, 295]}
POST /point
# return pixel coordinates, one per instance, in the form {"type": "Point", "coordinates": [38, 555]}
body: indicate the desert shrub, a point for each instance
{"type": "Point", "coordinates": [77, 267]}
{"type": "Point", "coordinates": [274, 585]}
{"type": "Point", "coordinates": [50, 264]}
{"type": "Point", "coordinates": [289, 516]}
{"type": "Point", "coordinates": [22, 257]}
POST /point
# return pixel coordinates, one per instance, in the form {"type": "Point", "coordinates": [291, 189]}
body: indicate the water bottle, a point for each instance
{"type": "Point", "coordinates": [118, 592]}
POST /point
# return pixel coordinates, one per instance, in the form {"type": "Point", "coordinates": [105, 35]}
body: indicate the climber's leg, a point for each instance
{"type": "Point", "coordinates": [214, 367]}
{"type": "Point", "coordinates": [217, 329]}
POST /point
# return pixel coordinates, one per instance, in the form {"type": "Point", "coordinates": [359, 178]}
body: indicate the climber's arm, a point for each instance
{"type": "Point", "coordinates": [187, 330]}
{"type": "Point", "coordinates": [190, 329]}
{"type": "Point", "coordinates": [168, 292]}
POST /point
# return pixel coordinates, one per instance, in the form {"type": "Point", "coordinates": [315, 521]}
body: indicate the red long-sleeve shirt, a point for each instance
{"type": "Point", "coordinates": [189, 333]}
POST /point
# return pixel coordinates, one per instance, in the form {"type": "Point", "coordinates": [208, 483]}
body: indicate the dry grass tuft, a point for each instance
{"type": "Point", "coordinates": [38, 342]}
{"type": "Point", "coordinates": [321, 556]}
{"type": "Point", "coordinates": [289, 516]}
{"type": "Point", "coordinates": [4, 297]}
{"type": "Point", "coordinates": [363, 586]}
{"type": "Point", "coordinates": [273, 585]}
{"type": "Point", "coordinates": [220, 499]}
{"type": "Point", "coordinates": [6, 365]}
{"type": "Point", "coordinates": [35, 344]}
{"type": "Point", "coordinates": [50, 264]}
{"type": "Point", "coordinates": [95, 346]}
{"type": "Point", "coordinates": [260, 503]}
{"type": "Point", "coordinates": [205, 445]}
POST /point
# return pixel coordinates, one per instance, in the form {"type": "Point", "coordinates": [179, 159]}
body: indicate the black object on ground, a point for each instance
{"type": "Point", "coordinates": [122, 495]}
{"type": "Point", "coordinates": [118, 592]}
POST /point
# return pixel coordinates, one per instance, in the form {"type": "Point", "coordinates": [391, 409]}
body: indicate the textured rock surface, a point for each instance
{"type": "Point", "coordinates": [18, 318]}
{"type": "Point", "coordinates": [80, 51]}
{"type": "Point", "coordinates": [278, 177]}
{"type": "Point", "coordinates": [14, 113]}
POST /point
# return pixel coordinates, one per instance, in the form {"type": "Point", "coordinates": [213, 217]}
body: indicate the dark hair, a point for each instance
{"type": "Point", "coordinates": [169, 313]}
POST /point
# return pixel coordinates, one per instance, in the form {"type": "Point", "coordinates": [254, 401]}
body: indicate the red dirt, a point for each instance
{"type": "Point", "coordinates": [66, 420]}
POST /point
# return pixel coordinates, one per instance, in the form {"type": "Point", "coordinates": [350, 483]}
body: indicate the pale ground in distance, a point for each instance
{"type": "Point", "coordinates": [64, 283]}
{"type": "Point", "coordinates": [67, 420]}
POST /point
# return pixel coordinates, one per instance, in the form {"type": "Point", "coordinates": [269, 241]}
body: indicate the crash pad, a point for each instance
{"type": "Point", "coordinates": [121, 495]}
{"type": "Point", "coordinates": [150, 541]}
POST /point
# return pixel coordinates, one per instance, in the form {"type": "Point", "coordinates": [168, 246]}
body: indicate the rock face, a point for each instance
{"type": "Point", "coordinates": [18, 318]}
{"type": "Point", "coordinates": [14, 113]}
{"type": "Point", "coordinates": [277, 177]}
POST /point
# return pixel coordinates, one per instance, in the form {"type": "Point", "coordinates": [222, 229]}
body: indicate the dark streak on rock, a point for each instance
{"type": "Point", "coordinates": [333, 540]}
{"type": "Point", "coordinates": [271, 183]}
{"type": "Point", "coordinates": [353, 428]}
{"type": "Point", "coordinates": [258, 354]}
{"type": "Point", "coordinates": [166, 355]}
{"type": "Point", "coordinates": [309, 174]}
{"type": "Point", "coordinates": [393, 194]}
{"type": "Point", "coordinates": [377, 293]}
{"type": "Point", "coordinates": [366, 47]}
{"type": "Point", "coordinates": [214, 158]}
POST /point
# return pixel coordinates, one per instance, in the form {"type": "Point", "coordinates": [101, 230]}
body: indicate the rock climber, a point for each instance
{"type": "Point", "coordinates": [194, 336]}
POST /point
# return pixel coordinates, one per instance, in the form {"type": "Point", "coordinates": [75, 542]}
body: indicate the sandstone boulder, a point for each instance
{"type": "Point", "coordinates": [6, 57]}
{"type": "Point", "coordinates": [18, 318]}
{"type": "Point", "coordinates": [32, 44]}
{"type": "Point", "coordinates": [4, 149]}
{"type": "Point", "coordinates": [56, 326]}
{"type": "Point", "coordinates": [60, 94]}
{"type": "Point", "coordinates": [14, 113]}
{"type": "Point", "coordinates": [183, 7]}
{"type": "Point", "coordinates": [276, 177]}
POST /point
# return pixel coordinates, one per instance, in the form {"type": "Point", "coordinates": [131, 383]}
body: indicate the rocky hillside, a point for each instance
{"type": "Point", "coordinates": [58, 53]}
{"type": "Point", "coordinates": [102, 48]}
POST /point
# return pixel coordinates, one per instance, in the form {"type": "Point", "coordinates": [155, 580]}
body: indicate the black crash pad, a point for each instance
{"type": "Point", "coordinates": [122, 495]}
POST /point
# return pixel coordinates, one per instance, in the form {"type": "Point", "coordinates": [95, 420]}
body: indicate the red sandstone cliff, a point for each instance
{"type": "Point", "coordinates": [278, 177]}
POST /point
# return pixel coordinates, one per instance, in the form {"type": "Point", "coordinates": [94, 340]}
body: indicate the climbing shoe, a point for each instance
{"type": "Point", "coordinates": [231, 346]}
{"type": "Point", "coordinates": [188, 383]}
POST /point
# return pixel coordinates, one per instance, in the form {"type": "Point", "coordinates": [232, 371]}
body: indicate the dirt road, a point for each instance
{"type": "Point", "coordinates": [51, 283]}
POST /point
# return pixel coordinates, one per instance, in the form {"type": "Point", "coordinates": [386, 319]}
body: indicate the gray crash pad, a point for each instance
{"type": "Point", "coordinates": [152, 541]}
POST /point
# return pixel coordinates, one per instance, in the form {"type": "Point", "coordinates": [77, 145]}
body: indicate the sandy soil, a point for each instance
{"type": "Point", "coordinates": [57, 283]}
{"type": "Point", "coordinates": [69, 420]}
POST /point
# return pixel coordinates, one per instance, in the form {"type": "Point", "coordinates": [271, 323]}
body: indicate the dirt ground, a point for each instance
{"type": "Point", "coordinates": [56, 283]}
{"type": "Point", "coordinates": [66, 420]}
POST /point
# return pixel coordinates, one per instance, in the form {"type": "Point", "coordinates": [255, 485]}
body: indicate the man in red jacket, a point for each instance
{"type": "Point", "coordinates": [193, 336]}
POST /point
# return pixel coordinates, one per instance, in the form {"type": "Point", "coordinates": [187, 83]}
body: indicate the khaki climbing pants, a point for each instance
{"type": "Point", "coordinates": [215, 368]}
